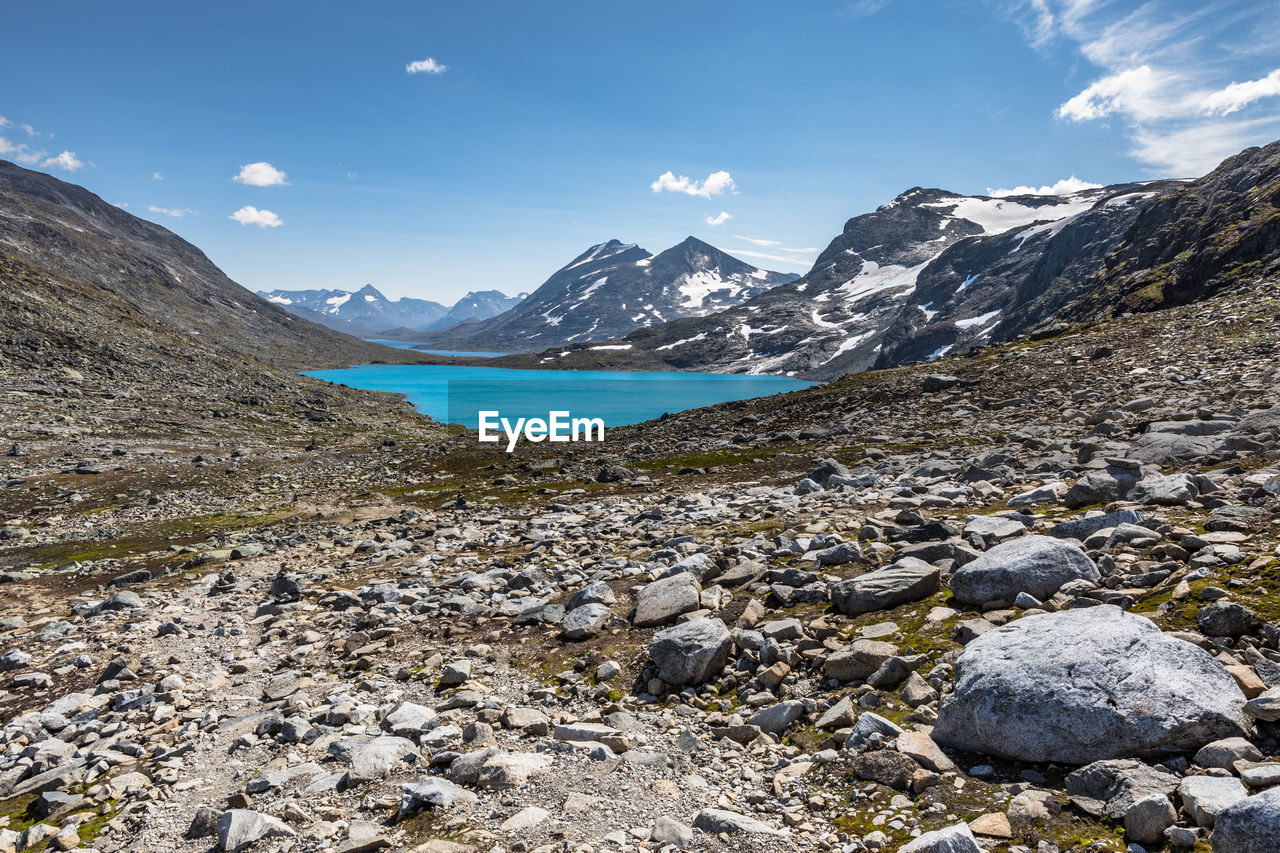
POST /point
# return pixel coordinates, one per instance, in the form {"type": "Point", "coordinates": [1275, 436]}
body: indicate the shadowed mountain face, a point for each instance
{"type": "Point", "coordinates": [613, 288]}
{"type": "Point", "coordinates": [85, 279]}
{"type": "Point", "coordinates": [933, 272]}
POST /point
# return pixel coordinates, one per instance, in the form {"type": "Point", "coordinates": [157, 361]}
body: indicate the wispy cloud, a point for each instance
{"type": "Point", "coordinates": [1167, 75]}
{"type": "Point", "coordinates": [261, 174]}
{"type": "Point", "coordinates": [1066, 186]}
{"type": "Point", "coordinates": [720, 219]}
{"type": "Point", "coordinates": [176, 213]}
{"type": "Point", "coordinates": [715, 184]}
{"type": "Point", "coordinates": [782, 259]}
{"type": "Point", "coordinates": [66, 161]}
{"type": "Point", "coordinates": [249, 215]}
{"type": "Point", "coordinates": [20, 152]}
{"type": "Point", "coordinates": [426, 66]}
{"type": "Point", "coordinates": [156, 176]}
{"type": "Point", "coordinates": [758, 241]}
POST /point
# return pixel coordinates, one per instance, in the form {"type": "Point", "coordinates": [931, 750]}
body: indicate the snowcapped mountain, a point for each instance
{"type": "Point", "coordinates": [368, 312]}
{"type": "Point", "coordinates": [478, 305]}
{"type": "Point", "coordinates": [929, 272]}
{"type": "Point", "coordinates": [612, 289]}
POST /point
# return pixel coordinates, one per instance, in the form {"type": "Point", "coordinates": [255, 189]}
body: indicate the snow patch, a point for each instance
{"type": "Point", "coordinates": [701, 336]}
{"type": "Point", "coordinates": [978, 321]}
{"type": "Point", "coordinates": [996, 216]}
{"type": "Point", "coordinates": [612, 346]}
{"type": "Point", "coordinates": [874, 278]}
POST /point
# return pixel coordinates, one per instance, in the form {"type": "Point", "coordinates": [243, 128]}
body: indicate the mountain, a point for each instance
{"type": "Point", "coordinates": [63, 244]}
{"type": "Point", "coordinates": [478, 305]}
{"type": "Point", "coordinates": [138, 331]}
{"type": "Point", "coordinates": [363, 312]}
{"type": "Point", "coordinates": [933, 272]}
{"type": "Point", "coordinates": [612, 289]}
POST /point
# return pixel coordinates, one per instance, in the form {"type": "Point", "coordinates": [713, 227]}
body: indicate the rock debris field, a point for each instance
{"type": "Point", "coordinates": [1023, 601]}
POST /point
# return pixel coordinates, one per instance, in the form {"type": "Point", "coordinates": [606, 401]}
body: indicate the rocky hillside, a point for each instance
{"type": "Point", "coordinates": [1025, 600]}
{"type": "Point", "coordinates": [613, 288]}
{"type": "Point", "coordinates": [933, 272]}
{"type": "Point", "coordinates": [82, 273]}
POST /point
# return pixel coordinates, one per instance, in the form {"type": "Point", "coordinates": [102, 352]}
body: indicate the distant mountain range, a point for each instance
{"type": "Point", "coordinates": [614, 288]}
{"type": "Point", "coordinates": [934, 272]}
{"type": "Point", "coordinates": [368, 312]}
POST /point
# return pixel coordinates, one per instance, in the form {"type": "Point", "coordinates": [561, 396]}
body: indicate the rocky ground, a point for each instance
{"type": "Point", "coordinates": [1026, 600]}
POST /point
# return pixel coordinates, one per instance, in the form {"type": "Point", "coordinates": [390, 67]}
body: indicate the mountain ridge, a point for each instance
{"type": "Point", "coordinates": [611, 289]}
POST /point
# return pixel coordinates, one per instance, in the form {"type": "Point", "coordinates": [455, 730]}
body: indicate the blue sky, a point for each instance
{"type": "Point", "coordinates": [537, 129]}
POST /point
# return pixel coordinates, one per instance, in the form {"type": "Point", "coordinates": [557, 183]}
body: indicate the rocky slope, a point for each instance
{"type": "Point", "coordinates": [611, 289]}
{"type": "Point", "coordinates": [69, 255]}
{"type": "Point", "coordinates": [932, 272]}
{"type": "Point", "coordinates": [1026, 603]}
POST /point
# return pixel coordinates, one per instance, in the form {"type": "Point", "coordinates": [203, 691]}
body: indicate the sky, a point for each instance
{"type": "Point", "coordinates": [433, 148]}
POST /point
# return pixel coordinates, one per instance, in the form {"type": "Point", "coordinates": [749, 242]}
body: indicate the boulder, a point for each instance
{"type": "Point", "coordinates": [1082, 685]}
{"type": "Point", "coordinates": [1251, 825]}
{"type": "Point", "coordinates": [957, 838]}
{"type": "Point", "coordinates": [378, 758]}
{"type": "Point", "coordinates": [239, 829]}
{"type": "Point", "coordinates": [857, 661]}
{"type": "Point", "coordinates": [1148, 818]}
{"type": "Point", "coordinates": [586, 621]}
{"type": "Point", "coordinates": [434, 794]}
{"type": "Point", "coordinates": [1171, 490]}
{"type": "Point", "coordinates": [716, 821]}
{"type": "Point", "coordinates": [1169, 449]}
{"type": "Point", "coordinates": [907, 580]}
{"type": "Point", "coordinates": [1097, 487]}
{"type": "Point", "coordinates": [776, 719]}
{"type": "Point", "coordinates": [692, 653]}
{"type": "Point", "coordinates": [1108, 788]}
{"type": "Point", "coordinates": [1036, 565]}
{"type": "Point", "coordinates": [666, 598]}
{"type": "Point", "coordinates": [1203, 797]}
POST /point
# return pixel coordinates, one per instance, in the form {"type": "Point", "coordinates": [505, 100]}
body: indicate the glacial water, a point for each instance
{"type": "Point", "coordinates": [458, 394]}
{"type": "Point", "coordinates": [412, 345]}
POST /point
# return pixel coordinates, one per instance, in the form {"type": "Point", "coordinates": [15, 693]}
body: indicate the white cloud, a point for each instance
{"type": "Point", "coordinates": [156, 176]}
{"type": "Point", "coordinates": [21, 153]}
{"type": "Point", "coordinates": [808, 251]}
{"type": "Point", "coordinates": [759, 242]}
{"type": "Point", "coordinates": [1165, 73]}
{"type": "Point", "coordinates": [1198, 148]}
{"type": "Point", "coordinates": [261, 174]}
{"type": "Point", "coordinates": [1066, 186]}
{"type": "Point", "coordinates": [721, 219]}
{"type": "Point", "coordinates": [1239, 95]}
{"type": "Point", "coordinates": [31, 131]}
{"type": "Point", "coordinates": [66, 161]}
{"type": "Point", "coordinates": [425, 66]}
{"type": "Point", "coordinates": [1139, 93]}
{"type": "Point", "coordinates": [768, 257]}
{"type": "Point", "coordinates": [176, 213]}
{"type": "Point", "coordinates": [3, 121]}
{"type": "Point", "coordinates": [715, 184]}
{"type": "Point", "coordinates": [249, 215]}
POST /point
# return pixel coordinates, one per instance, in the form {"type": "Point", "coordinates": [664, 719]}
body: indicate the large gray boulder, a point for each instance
{"type": "Point", "coordinates": [1265, 421]}
{"type": "Point", "coordinates": [666, 598]}
{"type": "Point", "coordinates": [907, 580]}
{"type": "Point", "coordinates": [240, 829]}
{"type": "Point", "coordinates": [716, 821]}
{"type": "Point", "coordinates": [1083, 685]}
{"type": "Point", "coordinates": [691, 653]}
{"type": "Point", "coordinates": [1036, 565]}
{"type": "Point", "coordinates": [1167, 448]}
{"type": "Point", "coordinates": [584, 622]}
{"type": "Point", "coordinates": [1250, 826]}
{"type": "Point", "coordinates": [957, 838]}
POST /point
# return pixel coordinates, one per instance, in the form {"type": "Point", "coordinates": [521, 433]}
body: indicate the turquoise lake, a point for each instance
{"type": "Point", "coordinates": [411, 345]}
{"type": "Point", "coordinates": [458, 394]}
